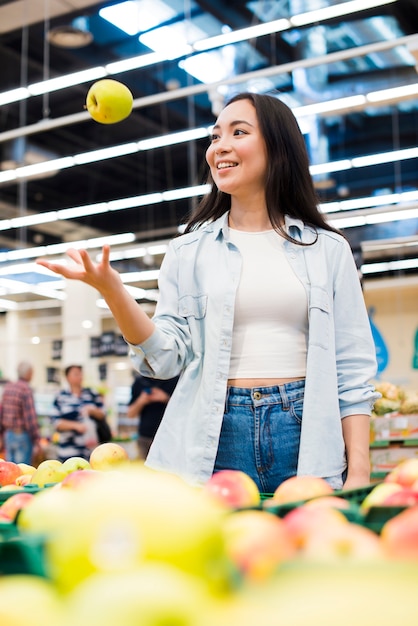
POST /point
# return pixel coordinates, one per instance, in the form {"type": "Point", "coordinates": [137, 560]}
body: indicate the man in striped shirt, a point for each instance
{"type": "Point", "coordinates": [19, 427]}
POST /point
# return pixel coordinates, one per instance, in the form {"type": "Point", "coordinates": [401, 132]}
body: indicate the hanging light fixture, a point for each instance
{"type": "Point", "coordinates": [74, 35]}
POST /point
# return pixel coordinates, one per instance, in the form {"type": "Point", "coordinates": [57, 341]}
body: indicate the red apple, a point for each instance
{"type": "Point", "coordinates": [233, 488]}
{"type": "Point", "coordinates": [9, 471]}
{"type": "Point", "coordinates": [302, 521]}
{"type": "Point", "coordinates": [257, 542]}
{"type": "Point", "coordinates": [108, 456]}
{"type": "Point", "coordinates": [335, 502]}
{"type": "Point", "coordinates": [378, 495]}
{"type": "Point", "coordinates": [11, 507]}
{"type": "Point", "coordinates": [80, 477]}
{"type": "Point", "coordinates": [299, 488]}
{"type": "Point", "coordinates": [342, 542]}
{"type": "Point", "coordinates": [405, 473]}
{"type": "Point", "coordinates": [404, 497]}
{"type": "Point", "coordinates": [399, 535]}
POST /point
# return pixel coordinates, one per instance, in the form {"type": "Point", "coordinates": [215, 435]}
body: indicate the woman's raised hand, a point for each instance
{"type": "Point", "coordinates": [99, 275]}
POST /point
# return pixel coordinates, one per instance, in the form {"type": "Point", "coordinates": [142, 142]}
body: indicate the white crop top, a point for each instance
{"type": "Point", "coordinates": [271, 314]}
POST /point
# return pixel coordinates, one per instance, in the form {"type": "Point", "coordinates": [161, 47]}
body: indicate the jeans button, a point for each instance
{"type": "Point", "coordinates": [257, 395]}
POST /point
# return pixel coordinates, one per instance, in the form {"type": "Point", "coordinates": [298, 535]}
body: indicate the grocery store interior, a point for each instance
{"type": "Point", "coordinates": [347, 69]}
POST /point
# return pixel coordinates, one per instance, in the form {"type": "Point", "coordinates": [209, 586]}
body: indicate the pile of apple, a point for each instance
{"type": "Point", "coordinates": [126, 545]}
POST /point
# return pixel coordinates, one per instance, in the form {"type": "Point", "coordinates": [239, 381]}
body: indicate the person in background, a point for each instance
{"type": "Point", "coordinates": [149, 398]}
{"type": "Point", "coordinates": [260, 311]}
{"type": "Point", "coordinates": [19, 427]}
{"type": "Point", "coordinates": [71, 412]}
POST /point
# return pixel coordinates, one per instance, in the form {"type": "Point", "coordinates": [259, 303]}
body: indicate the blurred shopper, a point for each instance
{"type": "Point", "coordinates": [149, 398]}
{"type": "Point", "coordinates": [19, 427]}
{"type": "Point", "coordinates": [74, 412]}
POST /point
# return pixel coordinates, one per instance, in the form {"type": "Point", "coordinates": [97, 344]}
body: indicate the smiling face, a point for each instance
{"type": "Point", "coordinates": [237, 155]}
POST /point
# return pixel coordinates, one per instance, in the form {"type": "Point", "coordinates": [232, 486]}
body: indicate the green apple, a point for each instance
{"type": "Point", "coordinates": [75, 463]}
{"type": "Point", "coordinates": [109, 101]}
{"type": "Point", "coordinates": [29, 601]}
{"type": "Point", "coordinates": [151, 595]}
{"type": "Point", "coordinates": [133, 516]}
{"type": "Point", "coordinates": [50, 471]}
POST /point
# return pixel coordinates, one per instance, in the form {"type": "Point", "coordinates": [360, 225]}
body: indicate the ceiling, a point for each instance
{"type": "Point", "coordinates": [327, 60]}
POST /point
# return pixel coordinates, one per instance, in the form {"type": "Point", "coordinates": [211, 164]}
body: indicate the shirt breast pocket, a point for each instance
{"type": "Point", "coordinates": [193, 306]}
{"type": "Point", "coordinates": [193, 309]}
{"type": "Point", "coordinates": [319, 318]}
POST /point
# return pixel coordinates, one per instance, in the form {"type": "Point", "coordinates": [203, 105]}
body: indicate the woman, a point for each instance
{"type": "Point", "coordinates": [262, 315]}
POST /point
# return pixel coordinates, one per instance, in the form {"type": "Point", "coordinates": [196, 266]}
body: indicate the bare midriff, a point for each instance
{"type": "Point", "coordinates": [260, 382]}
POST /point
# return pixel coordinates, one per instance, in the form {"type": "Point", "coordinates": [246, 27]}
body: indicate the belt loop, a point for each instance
{"type": "Point", "coordinates": [284, 397]}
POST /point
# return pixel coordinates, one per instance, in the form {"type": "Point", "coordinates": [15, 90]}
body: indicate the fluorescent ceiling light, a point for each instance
{"type": "Point", "coordinates": [60, 248]}
{"type": "Point", "coordinates": [385, 157]}
{"type": "Point", "coordinates": [332, 166]}
{"type": "Point", "coordinates": [134, 63]}
{"type": "Point", "coordinates": [135, 17]}
{"type": "Point", "coordinates": [397, 93]}
{"type": "Point", "coordinates": [389, 266]}
{"type": "Point", "coordinates": [174, 138]}
{"type": "Point", "coordinates": [105, 153]}
{"type": "Point", "coordinates": [336, 10]}
{"type": "Point", "coordinates": [172, 41]}
{"type": "Point", "coordinates": [243, 34]}
{"type": "Point", "coordinates": [330, 106]}
{"type": "Point", "coordinates": [14, 95]}
{"type": "Point", "coordinates": [61, 82]}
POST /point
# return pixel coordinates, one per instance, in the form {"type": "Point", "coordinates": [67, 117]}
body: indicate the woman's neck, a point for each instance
{"type": "Point", "coordinates": [252, 220]}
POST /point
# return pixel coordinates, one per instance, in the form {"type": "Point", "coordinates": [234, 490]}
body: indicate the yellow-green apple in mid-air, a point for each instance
{"type": "Point", "coordinates": [109, 101]}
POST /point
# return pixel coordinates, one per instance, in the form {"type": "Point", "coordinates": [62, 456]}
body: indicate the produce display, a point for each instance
{"type": "Point", "coordinates": [109, 542]}
{"type": "Point", "coordinates": [395, 400]}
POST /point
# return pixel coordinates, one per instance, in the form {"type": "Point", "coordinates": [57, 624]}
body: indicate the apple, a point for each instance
{"type": "Point", "coordinates": [342, 542]}
{"type": "Point", "coordinates": [78, 478]}
{"type": "Point", "coordinates": [134, 516]}
{"type": "Point", "coordinates": [9, 471]}
{"type": "Point", "coordinates": [233, 488]}
{"type": "Point", "coordinates": [257, 542]}
{"type": "Point", "coordinates": [299, 488]}
{"type": "Point", "coordinates": [27, 469]}
{"type": "Point", "coordinates": [28, 600]}
{"type": "Point", "coordinates": [301, 522]}
{"type": "Point", "coordinates": [378, 494]}
{"type": "Point", "coordinates": [109, 101]}
{"type": "Point", "coordinates": [44, 513]}
{"type": "Point", "coordinates": [399, 535]}
{"type": "Point", "coordinates": [108, 456]}
{"type": "Point", "coordinates": [15, 503]}
{"type": "Point", "coordinates": [75, 463]}
{"type": "Point", "coordinates": [23, 479]}
{"type": "Point", "coordinates": [343, 594]}
{"type": "Point", "coordinates": [336, 502]}
{"type": "Point", "coordinates": [405, 473]}
{"type": "Point", "coordinates": [152, 594]}
{"type": "Point", "coordinates": [404, 497]}
{"type": "Point", "coordinates": [49, 471]}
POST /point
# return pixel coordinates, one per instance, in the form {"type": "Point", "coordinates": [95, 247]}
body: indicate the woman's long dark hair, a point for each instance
{"type": "Point", "coordinates": [289, 186]}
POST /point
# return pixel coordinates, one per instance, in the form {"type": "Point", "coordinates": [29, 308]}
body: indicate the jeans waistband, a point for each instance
{"type": "Point", "coordinates": [272, 394]}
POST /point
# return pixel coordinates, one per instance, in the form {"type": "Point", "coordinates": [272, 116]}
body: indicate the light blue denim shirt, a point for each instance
{"type": "Point", "coordinates": [194, 319]}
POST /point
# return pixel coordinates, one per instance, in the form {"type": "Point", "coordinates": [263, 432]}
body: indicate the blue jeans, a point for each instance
{"type": "Point", "coordinates": [18, 447]}
{"type": "Point", "coordinates": [260, 433]}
